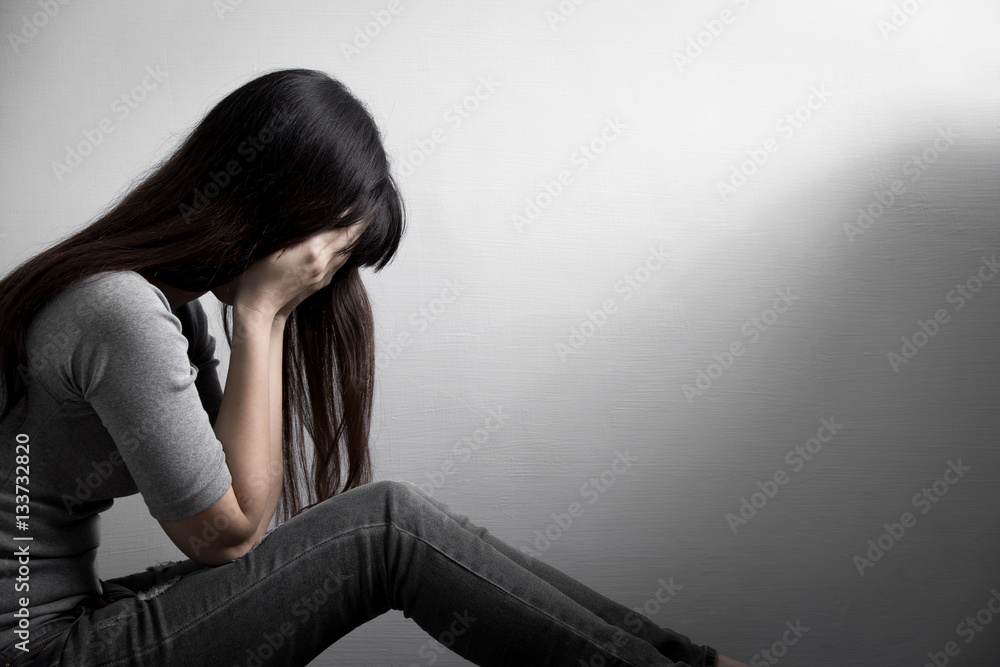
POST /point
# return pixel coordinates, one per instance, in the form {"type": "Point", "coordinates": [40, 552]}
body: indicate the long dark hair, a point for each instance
{"type": "Point", "coordinates": [285, 156]}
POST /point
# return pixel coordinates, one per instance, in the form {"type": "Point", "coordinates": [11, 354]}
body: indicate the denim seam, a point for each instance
{"type": "Point", "coordinates": [221, 604]}
{"type": "Point", "coordinates": [40, 643]}
{"type": "Point", "coordinates": [474, 573]}
{"type": "Point", "coordinates": [108, 622]}
{"type": "Point", "coordinates": [568, 627]}
{"type": "Point", "coordinates": [322, 543]}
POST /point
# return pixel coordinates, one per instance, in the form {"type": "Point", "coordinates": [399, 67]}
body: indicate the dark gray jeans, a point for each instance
{"type": "Point", "coordinates": [313, 579]}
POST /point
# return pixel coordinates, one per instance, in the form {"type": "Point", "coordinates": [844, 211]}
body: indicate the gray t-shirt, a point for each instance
{"type": "Point", "coordinates": [123, 399]}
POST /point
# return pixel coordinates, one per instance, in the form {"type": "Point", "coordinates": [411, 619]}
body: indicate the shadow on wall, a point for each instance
{"type": "Point", "coordinates": [816, 442]}
{"type": "Point", "coordinates": [866, 502]}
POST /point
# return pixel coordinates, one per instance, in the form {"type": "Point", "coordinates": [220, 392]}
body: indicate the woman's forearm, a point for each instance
{"type": "Point", "coordinates": [243, 425]}
{"type": "Point", "coordinates": [277, 464]}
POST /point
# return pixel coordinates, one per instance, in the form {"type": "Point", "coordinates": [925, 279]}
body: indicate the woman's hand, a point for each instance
{"type": "Point", "coordinates": [276, 284]}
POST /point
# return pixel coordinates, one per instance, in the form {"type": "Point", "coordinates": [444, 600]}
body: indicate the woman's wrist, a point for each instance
{"type": "Point", "coordinates": [254, 314]}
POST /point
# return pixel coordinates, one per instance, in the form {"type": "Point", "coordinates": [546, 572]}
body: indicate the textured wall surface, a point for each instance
{"type": "Point", "coordinates": [751, 244]}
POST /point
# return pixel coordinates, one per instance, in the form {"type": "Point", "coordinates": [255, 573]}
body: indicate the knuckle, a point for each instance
{"type": "Point", "coordinates": [313, 254]}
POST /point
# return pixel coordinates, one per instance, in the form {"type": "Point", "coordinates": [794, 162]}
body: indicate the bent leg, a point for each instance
{"type": "Point", "coordinates": [336, 566]}
{"type": "Point", "coordinates": [673, 645]}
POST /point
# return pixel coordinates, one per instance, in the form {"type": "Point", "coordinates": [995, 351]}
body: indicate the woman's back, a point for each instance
{"type": "Point", "coordinates": [123, 393]}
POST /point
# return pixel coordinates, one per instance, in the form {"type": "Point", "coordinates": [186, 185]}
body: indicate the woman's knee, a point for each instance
{"type": "Point", "coordinates": [380, 503]}
{"type": "Point", "coordinates": [400, 499]}
{"type": "Point", "coordinates": [396, 491]}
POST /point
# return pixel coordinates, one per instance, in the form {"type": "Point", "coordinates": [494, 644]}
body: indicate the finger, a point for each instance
{"type": "Point", "coordinates": [347, 239]}
{"type": "Point", "coordinates": [338, 240]}
{"type": "Point", "coordinates": [332, 270]}
{"type": "Point", "coordinates": [329, 237]}
{"type": "Point", "coordinates": [358, 230]}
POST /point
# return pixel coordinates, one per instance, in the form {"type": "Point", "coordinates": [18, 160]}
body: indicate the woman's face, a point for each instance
{"type": "Point", "coordinates": [226, 293]}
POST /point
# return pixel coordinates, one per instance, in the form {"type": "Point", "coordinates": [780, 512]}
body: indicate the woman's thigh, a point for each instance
{"type": "Point", "coordinates": [309, 582]}
{"type": "Point", "coordinates": [321, 574]}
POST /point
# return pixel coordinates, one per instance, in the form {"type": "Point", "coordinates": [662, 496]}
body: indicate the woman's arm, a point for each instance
{"type": "Point", "coordinates": [277, 465]}
{"type": "Point", "coordinates": [227, 529]}
{"type": "Point", "coordinates": [249, 421]}
{"type": "Point", "coordinates": [244, 423]}
{"type": "Point", "coordinates": [276, 468]}
{"type": "Point", "coordinates": [271, 474]}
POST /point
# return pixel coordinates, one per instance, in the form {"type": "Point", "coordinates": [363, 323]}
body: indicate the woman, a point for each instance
{"type": "Point", "coordinates": [273, 203]}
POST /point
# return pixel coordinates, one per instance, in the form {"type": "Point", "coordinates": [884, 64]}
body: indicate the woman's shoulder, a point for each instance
{"type": "Point", "coordinates": [112, 287]}
{"type": "Point", "coordinates": [106, 295]}
{"type": "Point", "coordinates": [115, 281]}
{"type": "Point", "coordinates": [72, 337]}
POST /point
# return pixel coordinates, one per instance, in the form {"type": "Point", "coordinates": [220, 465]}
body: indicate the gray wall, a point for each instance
{"type": "Point", "coordinates": [543, 329]}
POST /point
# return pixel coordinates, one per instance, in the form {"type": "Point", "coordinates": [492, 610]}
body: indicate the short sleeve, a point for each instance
{"type": "Point", "coordinates": [132, 366]}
